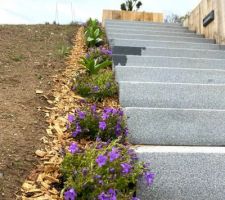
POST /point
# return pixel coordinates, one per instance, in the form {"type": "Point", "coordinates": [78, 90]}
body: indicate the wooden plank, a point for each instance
{"type": "Point", "coordinates": [216, 29]}
{"type": "Point", "coordinates": [131, 15]}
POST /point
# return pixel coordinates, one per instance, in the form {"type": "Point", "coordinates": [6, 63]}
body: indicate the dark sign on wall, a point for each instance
{"type": "Point", "coordinates": [209, 18]}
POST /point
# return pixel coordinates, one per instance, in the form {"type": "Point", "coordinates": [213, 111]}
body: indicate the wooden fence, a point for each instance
{"type": "Point", "coordinates": [131, 16]}
{"type": "Point", "coordinates": [216, 29]}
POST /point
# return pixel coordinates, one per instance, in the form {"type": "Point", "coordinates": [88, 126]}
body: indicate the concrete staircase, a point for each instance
{"type": "Point", "coordinates": [172, 89]}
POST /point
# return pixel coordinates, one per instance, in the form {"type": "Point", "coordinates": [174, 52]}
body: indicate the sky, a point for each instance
{"type": "Point", "coordinates": [65, 11]}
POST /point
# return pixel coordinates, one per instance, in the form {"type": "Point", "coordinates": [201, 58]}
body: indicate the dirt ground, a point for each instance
{"type": "Point", "coordinates": [29, 57]}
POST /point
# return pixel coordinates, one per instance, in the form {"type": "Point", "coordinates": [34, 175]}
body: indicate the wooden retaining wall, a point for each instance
{"type": "Point", "coordinates": [131, 16]}
{"type": "Point", "coordinates": [216, 29]}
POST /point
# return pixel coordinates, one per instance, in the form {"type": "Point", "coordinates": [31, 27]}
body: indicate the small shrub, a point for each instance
{"type": "Point", "coordinates": [64, 50]}
{"type": "Point", "coordinates": [93, 65]}
{"type": "Point", "coordinates": [96, 87]}
{"type": "Point", "coordinates": [130, 5]}
{"type": "Point", "coordinates": [102, 171]}
{"type": "Point", "coordinates": [108, 124]}
{"type": "Point", "coordinates": [17, 58]}
{"type": "Point", "coordinates": [93, 33]}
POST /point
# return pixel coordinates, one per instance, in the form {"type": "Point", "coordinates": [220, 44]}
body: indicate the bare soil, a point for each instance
{"type": "Point", "coordinates": [30, 56]}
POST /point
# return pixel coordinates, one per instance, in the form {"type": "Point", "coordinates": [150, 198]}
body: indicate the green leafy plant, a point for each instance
{"type": "Point", "coordinates": [93, 33]}
{"type": "Point", "coordinates": [64, 50]}
{"type": "Point", "coordinates": [130, 5]}
{"type": "Point", "coordinates": [96, 87]}
{"type": "Point", "coordinates": [93, 65]}
{"type": "Point", "coordinates": [90, 124]}
{"type": "Point", "coordinates": [102, 171]}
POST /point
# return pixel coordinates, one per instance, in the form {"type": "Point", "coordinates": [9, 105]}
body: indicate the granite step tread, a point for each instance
{"type": "Point", "coordinates": [165, 44]}
{"type": "Point", "coordinates": [166, 61]}
{"type": "Point", "coordinates": [172, 52]}
{"type": "Point", "coordinates": [176, 127]}
{"type": "Point", "coordinates": [151, 32]}
{"type": "Point", "coordinates": [172, 95]}
{"type": "Point", "coordinates": [160, 38]}
{"type": "Point", "coordinates": [171, 75]}
{"type": "Point", "coordinates": [184, 173]}
{"type": "Point", "coordinates": [107, 22]}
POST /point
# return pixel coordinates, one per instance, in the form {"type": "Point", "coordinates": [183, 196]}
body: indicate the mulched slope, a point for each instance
{"type": "Point", "coordinates": [44, 182]}
{"type": "Point", "coordinates": [29, 60]}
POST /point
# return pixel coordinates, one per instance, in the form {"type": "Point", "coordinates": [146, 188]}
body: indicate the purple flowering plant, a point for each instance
{"type": "Point", "coordinates": [104, 171]}
{"type": "Point", "coordinates": [96, 87]}
{"type": "Point", "coordinates": [107, 124]}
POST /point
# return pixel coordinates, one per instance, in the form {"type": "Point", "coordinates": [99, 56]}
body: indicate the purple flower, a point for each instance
{"type": "Point", "coordinates": [126, 132]}
{"type": "Point", "coordinates": [93, 108]}
{"type": "Point", "coordinates": [81, 114]}
{"type": "Point", "coordinates": [118, 129]}
{"type": "Point", "coordinates": [84, 171]}
{"type": "Point", "coordinates": [112, 170]}
{"type": "Point", "coordinates": [113, 155]}
{"type": "Point", "coordinates": [135, 198]}
{"type": "Point", "coordinates": [105, 116]}
{"type": "Point", "coordinates": [110, 195]}
{"type": "Point", "coordinates": [149, 177]}
{"type": "Point", "coordinates": [101, 160]}
{"type": "Point", "coordinates": [108, 110]}
{"type": "Point", "coordinates": [71, 118]}
{"type": "Point", "coordinates": [120, 112]}
{"type": "Point", "coordinates": [87, 55]}
{"type": "Point", "coordinates": [70, 194]}
{"type": "Point", "coordinates": [73, 148]}
{"type": "Point", "coordinates": [98, 176]}
{"type": "Point", "coordinates": [126, 168]}
{"type": "Point", "coordinates": [102, 125]}
{"type": "Point", "coordinates": [96, 88]}
{"type": "Point", "coordinates": [106, 51]}
{"type": "Point", "coordinates": [77, 131]}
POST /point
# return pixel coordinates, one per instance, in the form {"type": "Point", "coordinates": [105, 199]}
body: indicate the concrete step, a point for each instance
{"type": "Point", "coordinates": [163, 61]}
{"type": "Point", "coordinates": [143, 24]}
{"type": "Point", "coordinates": [151, 32]}
{"type": "Point", "coordinates": [150, 28]}
{"type": "Point", "coordinates": [170, 52]}
{"type": "Point", "coordinates": [168, 126]}
{"type": "Point", "coordinates": [170, 75]}
{"type": "Point", "coordinates": [172, 95]}
{"type": "Point", "coordinates": [139, 23]}
{"type": "Point", "coordinates": [184, 173]}
{"type": "Point", "coordinates": [165, 44]}
{"type": "Point", "coordinates": [159, 38]}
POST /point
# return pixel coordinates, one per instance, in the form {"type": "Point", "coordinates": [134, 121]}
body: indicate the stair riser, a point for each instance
{"type": "Point", "coordinates": [168, 52]}
{"type": "Point", "coordinates": [160, 38]}
{"type": "Point", "coordinates": [152, 32]}
{"type": "Point", "coordinates": [165, 44]}
{"type": "Point", "coordinates": [158, 61]}
{"type": "Point", "coordinates": [184, 176]}
{"type": "Point", "coordinates": [169, 75]}
{"type": "Point", "coordinates": [164, 95]}
{"type": "Point", "coordinates": [176, 127]}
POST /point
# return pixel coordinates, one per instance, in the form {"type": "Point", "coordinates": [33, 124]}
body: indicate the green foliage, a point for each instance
{"type": "Point", "coordinates": [64, 50]}
{"type": "Point", "coordinates": [96, 87]}
{"type": "Point", "coordinates": [130, 5]}
{"type": "Point", "coordinates": [90, 124]}
{"type": "Point", "coordinates": [93, 33]}
{"type": "Point", "coordinates": [93, 65]}
{"type": "Point", "coordinates": [17, 58]}
{"type": "Point", "coordinates": [90, 177]}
